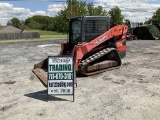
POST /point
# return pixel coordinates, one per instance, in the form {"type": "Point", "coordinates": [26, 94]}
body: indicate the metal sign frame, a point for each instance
{"type": "Point", "coordinates": [60, 81]}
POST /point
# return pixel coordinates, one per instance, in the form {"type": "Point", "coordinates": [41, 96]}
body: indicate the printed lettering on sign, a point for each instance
{"type": "Point", "coordinates": [60, 75]}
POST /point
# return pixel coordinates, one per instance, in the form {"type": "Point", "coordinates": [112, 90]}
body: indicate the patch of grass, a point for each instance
{"type": "Point", "coordinates": [1, 27]}
{"type": "Point", "coordinates": [43, 32]}
{"type": "Point", "coordinates": [53, 36]}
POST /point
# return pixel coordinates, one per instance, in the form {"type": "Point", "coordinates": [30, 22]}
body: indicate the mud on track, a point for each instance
{"type": "Point", "coordinates": [129, 93]}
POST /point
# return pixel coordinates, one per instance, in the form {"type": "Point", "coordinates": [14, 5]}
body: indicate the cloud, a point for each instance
{"type": "Point", "coordinates": [20, 12]}
{"type": "Point", "coordinates": [8, 11]}
{"type": "Point", "coordinates": [54, 8]}
{"type": "Point", "coordinates": [6, 7]}
{"type": "Point", "coordinates": [43, 13]}
{"type": "Point", "coordinates": [152, 0]}
{"type": "Point", "coordinates": [135, 10]}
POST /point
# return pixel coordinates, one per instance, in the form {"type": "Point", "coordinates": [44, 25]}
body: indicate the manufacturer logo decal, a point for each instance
{"type": "Point", "coordinates": [101, 39]}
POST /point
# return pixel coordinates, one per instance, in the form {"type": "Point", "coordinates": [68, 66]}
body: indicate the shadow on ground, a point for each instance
{"type": "Point", "coordinates": [42, 95]}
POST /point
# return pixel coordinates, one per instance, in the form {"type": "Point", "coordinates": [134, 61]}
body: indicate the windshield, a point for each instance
{"type": "Point", "coordinates": [76, 31]}
{"type": "Point", "coordinates": [94, 28]}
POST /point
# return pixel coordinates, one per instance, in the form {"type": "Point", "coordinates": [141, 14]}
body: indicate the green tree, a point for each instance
{"type": "Point", "coordinates": [141, 23]}
{"type": "Point", "coordinates": [73, 8]}
{"type": "Point", "coordinates": [156, 17]}
{"type": "Point", "coordinates": [61, 22]}
{"type": "Point", "coordinates": [40, 22]}
{"type": "Point", "coordinates": [14, 22]}
{"type": "Point", "coordinates": [116, 16]}
{"type": "Point", "coordinates": [31, 24]}
{"type": "Point", "coordinates": [95, 11]}
{"type": "Point", "coordinates": [149, 21]}
{"type": "Point", "coordinates": [90, 9]}
{"type": "Point", "coordinates": [76, 8]}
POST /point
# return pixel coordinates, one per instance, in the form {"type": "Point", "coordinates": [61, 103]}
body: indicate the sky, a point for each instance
{"type": "Point", "coordinates": [134, 10]}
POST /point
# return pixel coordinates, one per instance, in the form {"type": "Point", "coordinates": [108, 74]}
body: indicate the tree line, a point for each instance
{"type": "Point", "coordinates": [155, 19]}
{"type": "Point", "coordinates": [59, 22]}
{"type": "Point", "coordinates": [35, 22]}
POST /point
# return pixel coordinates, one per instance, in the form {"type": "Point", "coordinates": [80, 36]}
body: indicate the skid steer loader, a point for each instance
{"type": "Point", "coordinates": [94, 45]}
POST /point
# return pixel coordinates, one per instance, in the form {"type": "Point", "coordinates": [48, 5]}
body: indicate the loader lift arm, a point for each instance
{"type": "Point", "coordinates": [81, 50]}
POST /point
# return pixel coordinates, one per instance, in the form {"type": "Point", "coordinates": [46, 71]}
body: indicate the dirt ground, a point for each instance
{"type": "Point", "coordinates": [129, 93]}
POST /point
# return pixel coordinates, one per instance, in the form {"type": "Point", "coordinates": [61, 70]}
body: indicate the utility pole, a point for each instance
{"type": "Point", "coordinates": [71, 7]}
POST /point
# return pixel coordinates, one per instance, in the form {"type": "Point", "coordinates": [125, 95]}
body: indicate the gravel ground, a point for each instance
{"type": "Point", "coordinates": [129, 93]}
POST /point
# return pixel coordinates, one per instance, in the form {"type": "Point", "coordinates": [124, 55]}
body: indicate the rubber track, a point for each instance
{"type": "Point", "coordinates": [92, 58]}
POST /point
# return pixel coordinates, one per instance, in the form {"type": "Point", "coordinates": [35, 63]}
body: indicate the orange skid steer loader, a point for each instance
{"type": "Point", "coordinates": [94, 45]}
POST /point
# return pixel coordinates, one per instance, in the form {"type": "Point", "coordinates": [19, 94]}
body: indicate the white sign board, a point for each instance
{"type": "Point", "coordinates": [60, 75]}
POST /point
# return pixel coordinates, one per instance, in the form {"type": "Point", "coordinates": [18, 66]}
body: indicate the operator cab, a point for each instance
{"type": "Point", "coordinates": [86, 28]}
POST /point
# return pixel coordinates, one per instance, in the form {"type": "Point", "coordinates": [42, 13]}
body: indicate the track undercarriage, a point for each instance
{"type": "Point", "coordinates": [101, 61]}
